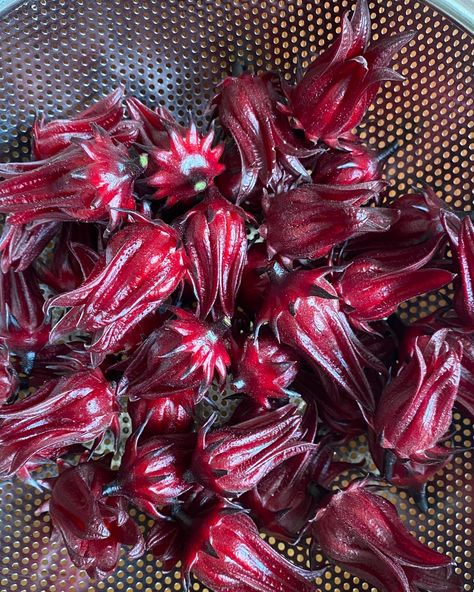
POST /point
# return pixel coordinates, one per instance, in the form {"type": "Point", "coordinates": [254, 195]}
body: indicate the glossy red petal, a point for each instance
{"type": "Point", "coordinates": [233, 459]}
{"type": "Point", "coordinates": [53, 137]}
{"type": "Point", "coordinates": [180, 358]}
{"type": "Point", "coordinates": [215, 240]}
{"type": "Point", "coordinates": [226, 552]}
{"type": "Point", "coordinates": [143, 264]}
{"type": "Point", "coordinates": [70, 410]}
{"type": "Point", "coordinates": [362, 532]}
{"type": "Point", "coordinates": [301, 224]}
{"type": "Point", "coordinates": [152, 472]}
{"type": "Point", "coordinates": [92, 527]}
{"type": "Point", "coordinates": [264, 370]}
{"type": "Point", "coordinates": [247, 108]}
{"type": "Point", "coordinates": [23, 324]}
{"type": "Point", "coordinates": [415, 410]}
{"type": "Point", "coordinates": [304, 312]}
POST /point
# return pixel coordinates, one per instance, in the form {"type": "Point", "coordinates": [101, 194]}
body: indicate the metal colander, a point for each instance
{"type": "Point", "coordinates": [59, 55]}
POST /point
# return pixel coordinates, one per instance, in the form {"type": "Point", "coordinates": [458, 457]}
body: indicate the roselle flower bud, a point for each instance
{"type": "Point", "coordinates": [92, 527]}
{"type": "Point", "coordinates": [223, 549]}
{"type": "Point", "coordinates": [355, 164]}
{"type": "Point", "coordinates": [21, 245]}
{"type": "Point", "coordinates": [415, 409]}
{"type": "Point", "coordinates": [419, 221]}
{"type": "Point", "coordinates": [267, 145]}
{"type": "Point", "coordinates": [411, 474]}
{"type": "Point", "coordinates": [264, 369]}
{"type": "Point", "coordinates": [255, 281]}
{"type": "Point", "coordinates": [301, 224]}
{"type": "Point", "coordinates": [372, 288]}
{"type": "Point", "coordinates": [461, 237]}
{"type": "Point", "coordinates": [50, 138]}
{"type": "Point", "coordinates": [70, 410]}
{"type": "Point", "coordinates": [215, 240]}
{"type": "Point", "coordinates": [92, 181]}
{"type": "Point", "coordinates": [186, 166]}
{"type": "Point", "coordinates": [166, 415]}
{"type": "Point", "coordinates": [152, 473]}
{"type": "Point", "coordinates": [142, 266]}
{"type": "Point", "coordinates": [362, 533]}
{"type": "Point", "coordinates": [23, 324]}
{"type": "Point", "coordinates": [285, 501]}
{"type": "Point", "coordinates": [179, 358]}
{"type": "Point", "coordinates": [233, 459]}
{"type": "Point", "coordinates": [8, 375]}
{"type": "Point", "coordinates": [337, 88]}
{"type": "Point", "coordinates": [71, 264]}
{"type": "Point", "coordinates": [304, 313]}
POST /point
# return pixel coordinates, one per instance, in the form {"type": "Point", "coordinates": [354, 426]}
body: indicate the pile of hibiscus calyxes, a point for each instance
{"type": "Point", "coordinates": [262, 259]}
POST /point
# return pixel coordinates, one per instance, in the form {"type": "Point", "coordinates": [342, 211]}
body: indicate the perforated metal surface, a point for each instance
{"type": "Point", "coordinates": [59, 55]}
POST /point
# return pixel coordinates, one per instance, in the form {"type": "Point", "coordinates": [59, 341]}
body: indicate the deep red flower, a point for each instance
{"type": "Point", "coordinates": [461, 237]}
{"type": "Point", "coordinates": [337, 88]}
{"type": "Point", "coordinates": [50, 138]}
{"type": "Point", "coordinates": [225, 552]}
{"type": "Point", "coordinates": [142, 266]}
{"type": "Point", "coordinates": [415, 409]}
{"type": "Point", "coordinates": [412, 474]}
{"type": "Point", "coordinates": [23, 324]}
{"type": "Point", "coordinates": [304, 313]}
{"type": "Point", "coordinates": [233, 459]}
{"type": "Point", "coordinates": [166, 415]}
{"type": "Point", "coordinates": [215, 240]}
{"type": "Point", "coordinates": [264, 369]}
{"type": "Point", "coordinates": [221, 546]}
{"type": "Point", "coordinates": [457, 333]}
{"type": "Point", "coordinates": [285, 501]}
{"type": "Point", "coordinates": [419, 222]}
{"type": "Point", "coordinates": [92, 527]}
{"type": "Point", "coordinates": [21, 245]}
{"type": "Point", "coordinates": [70, 410]}
{"type": "Point", "coordinates": [8, 375]}
{"type": "Point", "coordinates": [92, 181]}
{"type": "Point", "coordinates": [152, 473]}
{"type": "Point", "coordinates": [267, 145]}
{"type": "Point", "coordinates": [186, 166]}
{"type": "Point", "coordinates": [179, 358]}
{"type": "Point", "coordinates": [354, 164]}
{"type": "Point", "coordinates": [301, 224]}
{"type": "Point", "coordinates": [374, 285]}
{"type": "Point", "coordinates": [362, 533]}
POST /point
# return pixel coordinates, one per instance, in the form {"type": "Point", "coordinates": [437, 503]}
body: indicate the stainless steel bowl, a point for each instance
{"type": "Point", "coordinates": [58, 55]}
